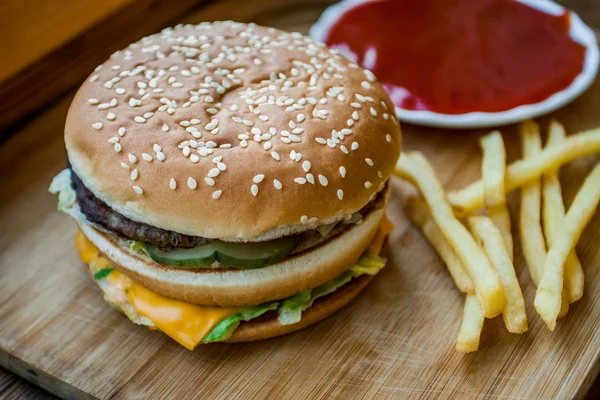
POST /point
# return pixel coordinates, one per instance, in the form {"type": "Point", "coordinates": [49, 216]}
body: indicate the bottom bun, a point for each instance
{"type": "Point", "coordinates": [267, 326]}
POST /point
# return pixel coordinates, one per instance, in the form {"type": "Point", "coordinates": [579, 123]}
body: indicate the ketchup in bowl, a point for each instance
{"type": "Point", "coordinates": [460, 56]}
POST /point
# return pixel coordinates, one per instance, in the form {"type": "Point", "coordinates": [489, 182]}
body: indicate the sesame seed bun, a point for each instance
{"type": "Point", "coordinates": [232, 131]}
{"type": "Point", "coordinates": [239, 287]}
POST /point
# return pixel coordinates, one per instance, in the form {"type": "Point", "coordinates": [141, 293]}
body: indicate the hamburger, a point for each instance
{"type": "Point", "coordinates": [229, 181]}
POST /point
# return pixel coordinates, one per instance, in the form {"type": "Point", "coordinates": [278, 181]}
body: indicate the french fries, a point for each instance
{"type": "Point", "coordinates": [472, 324]}
{"type": "Point", "coordinates": [489, 237]}
{"type": "Point", "coordinates": [479, 259]}
{"type": "Point", "coordinates": [532, 238]}
{"type": "Point", "coordinates": [523, 171]}
{"type": "Point", "coordinates": [418, 212]}
{"type": "Point", "coordinates": [553, 214]}
{"type": "Point", "coordinates": [493, 173]}
{"type": "Point", "coordinates": [488, 288]}
{"type": "Point", "coordinates": [548, 295]}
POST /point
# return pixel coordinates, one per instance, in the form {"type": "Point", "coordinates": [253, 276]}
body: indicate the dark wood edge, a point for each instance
{"type": "Point", "coordinates": [41, 378]}
{"type": "Point", "coordinates": [29, 90]}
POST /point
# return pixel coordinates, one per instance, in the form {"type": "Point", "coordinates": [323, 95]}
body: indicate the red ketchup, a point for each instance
{"type": "Point", "coordinates": [459, 56]}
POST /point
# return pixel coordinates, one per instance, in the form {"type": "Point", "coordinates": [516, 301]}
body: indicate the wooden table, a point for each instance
{"type": "Point", "coordinates": [35, 153]}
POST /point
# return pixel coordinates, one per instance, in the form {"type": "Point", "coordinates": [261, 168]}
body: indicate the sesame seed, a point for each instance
{"type": "Point", "coordinates": [344, 149]}
{"type": "Point", "coordinates": [209, 181]}
{"type": "Point", "coordinates": [300, 180]}
{"type": "Point", "coordinates": [323, 180]}
{"type": "Point", "coordinates": [306, 165]}
{"type": "Point", "coordinates": [277, 184]}
{"type": "Point", "coordinates": [113, 139]}
{"type": "Point", "coordinates": [369, 162]}
{"type": "Point", "coordinates": [379, 174]}
{"type": "Point", "coordinates": [275, 155]}
{"type": "Point", "coordinates": [111, 116]}
{"type": "Point", "coordinates": [340, 194]}
{"type": "Point", "coordinates": [310, 178]}
{"type": "Point", "coordinates": [386, 115]}
{"type": "Point", "coordinates": [118, 147]}
{"type": "Point", "coordinates": [258, 178]}
{"type": "Point", "coordinates": [343, 171]}
{"type": "Point", "coordinates": [355, 105]}
{"type": "Point", "coordinates": [267, 145]}
{"type": "Point", "coordinates": [132, 158]}
{"type": "Point", "coordinates": [148, 115]}
{"type": "Point", "coordinates": [165, 128]}
{"type": "Point", "coordinates": [147, 157]}
{"type": "Point", "coordinates": [194, 158]}
{"type": "Point", "coordinates": [368, 184]}
{"type": "Point", "coordinates": [350, 122]}
{"type": "Point", "coordinates": [134, 174]}
{"type": "Point", "coordinates": [300, 117]}
{"type": "Point", "coordinates": [184, 123]}
{"type": "Point", "coordinates": [191, 182]}
{"type": "Point", "coordinates": [320, 140]}
{"type": "Point", "coordinates": [214, 172]}
{"type": "Point", "coordinates": [254, 190]}
{"type": "Point", "coordinates": [173, 184]}
{"type": "Point", "coordinates": [138, 190]}
{"type": "Point", "coordinates": [216, 194]}
{"type": "Point", "coordinates": [354, 145]}
{"type": "Point", "coordinates": [373, 112]}
{"type": "Point", "coordinates": [93, 101]}
{"type": "Point", "coordinates": [97, 126]}
{"type": "Point", "coordinates": [388, 138]}
{"type": "Point", "coordinates": [120, 90]}
{"type": "Point", "coordinates": [122, 131]}
{"type": "Point", "coordinates": [125, 166]}
{"type": "Point", "coordinates": [139, 120]}
{"type": "Point", "coordinates": [313, 220]}
{"type": "Point", "coordinates": [304, 219]}
{"type": "Point", "coordinates": [355, 115]}
{"type": "Point", "coordinates": [365, 85]}
{"type": "Point", "coordinates": [160, 156]}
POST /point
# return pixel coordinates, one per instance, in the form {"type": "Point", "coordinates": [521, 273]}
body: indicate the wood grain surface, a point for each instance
{"type": "Point", "coordinates": [395, 341]}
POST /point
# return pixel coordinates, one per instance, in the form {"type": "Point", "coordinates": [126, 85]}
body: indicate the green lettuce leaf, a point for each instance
{"type": "Point", "coordinates": [291, 308]}
{"type": "Point", "coordinates": [226, 327]}
{"type": "Point", "coordinates": [61, 185]}
{"type": "Point", "coordinates": [369, 264]}
{"type": "Point", "coordinates": [103, 273]}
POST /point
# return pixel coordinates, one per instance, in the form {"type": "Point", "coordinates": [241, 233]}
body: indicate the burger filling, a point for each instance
{"type": "Point", "coordinates": [192, 324]}
{"type": "Point", "coordinates": [179, 250]}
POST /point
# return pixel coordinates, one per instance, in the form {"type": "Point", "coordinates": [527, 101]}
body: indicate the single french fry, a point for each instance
{"type": "Point", "coordinates": [553, 214]}
{"type": "Point", "coordinates": [415, 168]}
{"type": "Point", "coordinates": [548, 294]}
{"type": "Point", "coordinates": [493, 169]}
{"type": "Point", "coordinates": [532, 238]}
{"type": "Point", "coordinates": [490, 238]}
{"type": "Point", "coordinates": [472, 324]}
{"type": "Point", "coordinates": [501, 219]}
{"type": "Point", "coordinates": [520, 172]}
{"type": "Point", "coordinates": [418, 213]}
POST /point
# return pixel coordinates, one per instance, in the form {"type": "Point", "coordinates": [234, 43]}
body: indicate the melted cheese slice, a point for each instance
{"type": "Point", "coordinates": [186, 323]}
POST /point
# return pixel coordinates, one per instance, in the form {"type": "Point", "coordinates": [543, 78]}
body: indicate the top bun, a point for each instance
{"type": "Point", "coordinates": [232, 131]}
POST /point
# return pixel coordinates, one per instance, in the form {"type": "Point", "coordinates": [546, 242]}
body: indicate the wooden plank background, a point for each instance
{"type": "Point", "coordinates": [395, 341]}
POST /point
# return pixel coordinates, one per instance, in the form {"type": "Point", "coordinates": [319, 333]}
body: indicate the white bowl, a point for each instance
{"type": "Point", "coordinates": [579, 32]}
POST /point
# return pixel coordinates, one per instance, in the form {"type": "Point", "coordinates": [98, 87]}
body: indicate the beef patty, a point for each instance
{"type": "Point", "coordinates": [98, 212]}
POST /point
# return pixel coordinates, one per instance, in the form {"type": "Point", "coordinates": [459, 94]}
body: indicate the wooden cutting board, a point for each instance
{"type": "Point", "coordinates": [395, 341]}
